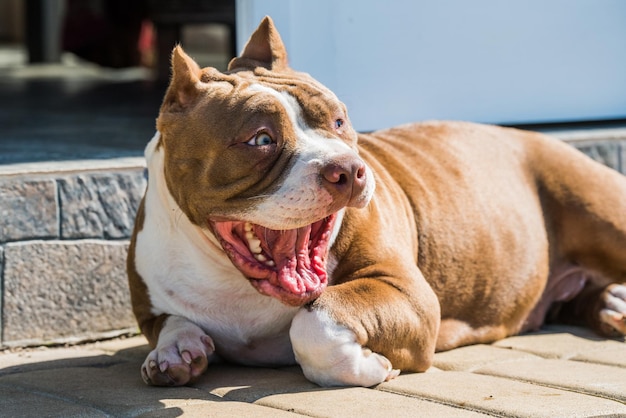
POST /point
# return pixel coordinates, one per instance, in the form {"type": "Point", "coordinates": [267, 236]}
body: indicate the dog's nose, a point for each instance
{"type": "Point", "coordinates": [345, 179]}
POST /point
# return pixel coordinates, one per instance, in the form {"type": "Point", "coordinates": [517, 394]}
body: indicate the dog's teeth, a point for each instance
{"type": "Point", "coordinates": [263, 259]}
{"type": "Point", "coordinates": [255, 245]}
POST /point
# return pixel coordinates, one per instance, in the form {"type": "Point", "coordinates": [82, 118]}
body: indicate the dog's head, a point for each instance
{"type": "Point", "coordinates": [265, 158]}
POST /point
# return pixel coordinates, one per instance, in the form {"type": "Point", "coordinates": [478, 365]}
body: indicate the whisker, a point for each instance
{"type": "Point", "coordinates": [261, 196]}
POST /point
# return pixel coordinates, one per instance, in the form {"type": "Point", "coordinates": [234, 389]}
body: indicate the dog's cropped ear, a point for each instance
{"type": "Point", "coordinates": [265, 48]}
{"type": "Point", "coordinates": [183, 88]}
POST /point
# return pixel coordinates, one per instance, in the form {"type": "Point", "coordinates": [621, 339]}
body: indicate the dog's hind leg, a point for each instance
{"type": "Point", "coordinates": [585, 210]}
{"type": "Point", "coordinates": [612, 312]}
{"type": "Point", "coordinates": [601, 308]}
{"type": "Point", "coordinates": [455, 333]}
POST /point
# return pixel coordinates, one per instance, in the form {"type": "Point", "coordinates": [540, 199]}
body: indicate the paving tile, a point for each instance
{"type": "Point", "coordinates": [15, 402]}
{"type": "Point", "coordinates": [220, 409]}
{"type": "Point", "coordinates": [474, 356]}
{"type": "Point", "coordinates": [559, 343]}
{"type": "Point", "coordinates": [500, 396]}
{"type": "Point", "coordinates": [52, 358]}
{"type": "Point", "coordinates": [116, 390]}
{"type": "Point", "coordinates": [360, 402]}
{"type": "Point", "coordinates": [99, 354]}
{"type": "Point", "coordinates": [116, 345]}
{"type": "Point", "coordinates": [133, 349]}
{"type": "Point", "coordinates": [289, 390]}
{"type": "Point", "coordinates": [609, 357]}
{"type": "Point", "coordinates": [595, 379]}
{"type": "Point", "coordinates": [103, 378]}
{"type": "Point", "coordinates": [248, 384]}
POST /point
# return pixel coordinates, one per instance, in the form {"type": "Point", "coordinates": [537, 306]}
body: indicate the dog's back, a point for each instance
{"type": "Point", "coordinates": [517, 207]}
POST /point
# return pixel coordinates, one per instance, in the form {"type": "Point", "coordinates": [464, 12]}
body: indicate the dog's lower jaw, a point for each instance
{"type": "Point", "coordinates": [289, 265]}
{"type": "Point", "coordinates": [330, 355]}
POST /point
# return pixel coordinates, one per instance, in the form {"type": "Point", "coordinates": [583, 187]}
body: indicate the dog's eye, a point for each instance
{"type": "Point", "coordinates": [260, 139]}
{"type": "Point", "coordinates": [339, 124]}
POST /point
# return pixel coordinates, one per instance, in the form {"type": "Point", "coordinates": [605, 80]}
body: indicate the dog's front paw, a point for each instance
{"type": "Point", "coordinates": [330, 355]}
{"type": "Point", "coordinates": [613, 310]}
{"type": "Point", "coordinates": [181, 355]}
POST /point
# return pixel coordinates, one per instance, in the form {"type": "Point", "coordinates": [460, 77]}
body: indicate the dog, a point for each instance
{"type": "Point", "coordinates": [271, 233]}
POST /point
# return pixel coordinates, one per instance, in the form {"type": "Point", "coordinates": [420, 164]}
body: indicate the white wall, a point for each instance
{"type": "Point", "coordinates": [501, 61]}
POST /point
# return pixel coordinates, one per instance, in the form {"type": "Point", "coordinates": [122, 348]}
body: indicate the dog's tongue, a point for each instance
{"type": "Point", "coordinates": [295, 271]}
{"type": "Point", "coordinates": [289, 265]}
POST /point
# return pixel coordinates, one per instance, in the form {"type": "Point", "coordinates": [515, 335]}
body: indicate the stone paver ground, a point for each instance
{"type": "Point", "coordinates": [558, 372]}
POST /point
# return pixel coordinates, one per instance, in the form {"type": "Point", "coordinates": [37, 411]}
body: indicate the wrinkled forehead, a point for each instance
{"type": "Point", "coordinates": [315, 103]}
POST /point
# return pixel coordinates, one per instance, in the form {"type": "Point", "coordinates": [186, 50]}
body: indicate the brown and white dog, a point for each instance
{"type": "Point", "coordinates": [272, 233]}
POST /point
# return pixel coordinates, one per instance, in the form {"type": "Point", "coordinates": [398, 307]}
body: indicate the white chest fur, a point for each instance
{"type": "Point", "coordinates": [188, 274]}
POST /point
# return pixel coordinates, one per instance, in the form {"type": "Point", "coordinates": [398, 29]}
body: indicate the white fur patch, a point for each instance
{"type": "Point", "coordinates": [330, 355]}
{"type": "Point", "coordinates": [301, 199]}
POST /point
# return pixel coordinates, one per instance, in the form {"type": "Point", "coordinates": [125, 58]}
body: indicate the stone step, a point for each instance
{"type": "Point", "coordinates": [64, 232]}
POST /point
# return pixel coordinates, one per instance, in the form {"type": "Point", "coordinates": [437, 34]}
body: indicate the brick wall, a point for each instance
{"type": "Point", "coordinates": [63, 243]}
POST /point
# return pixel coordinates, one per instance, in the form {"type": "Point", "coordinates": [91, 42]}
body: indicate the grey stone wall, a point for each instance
{"type": "Point", "coordinates": [55, 290]}
{"type": "Point", "coordinates": [29, 209]}
{"type": "Point", "coordinates": [85, 205]}
{"type": "Point", "coordinates": [99, 205]}
{"type": "Point", "coordinates": [611, 153]}
{"type": "Point", "coordinates": [1, 289]}
{"type": "Point", "coordinates": [63, 244]}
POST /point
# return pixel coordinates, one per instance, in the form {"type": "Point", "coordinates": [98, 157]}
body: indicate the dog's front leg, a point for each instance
{"type": "Point", "coordinates": [330, 354]}
{"type": "Point", "coordinates": [365, 331]}
{"type": "Point", "coordinates": [181, 354]}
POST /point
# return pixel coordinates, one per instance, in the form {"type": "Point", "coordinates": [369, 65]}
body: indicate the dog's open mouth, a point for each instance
{"type": "Point", "coordinates": [289, 265]}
